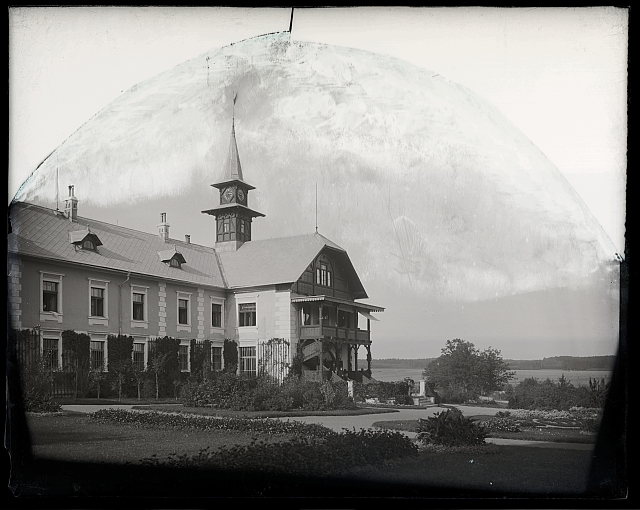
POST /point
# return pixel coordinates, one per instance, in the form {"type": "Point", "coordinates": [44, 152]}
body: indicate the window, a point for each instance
{"type": "Point", "coordinates": [183, 311]}
{"type": "Point", "coordinates": [183, 358]}
{"type": "Point", "coordinates": [323, 274]}
{"type": "Point", "coordinates": [138, 306]}
{"type": "Point", "coordinates": [248, 361]}
{"type": "Point", "coordinates": [97, 302]}
{"type": "Point", "coordinates": [49, 296]}
{"type": "Point", "coordinates": [88, 244]}
{"type": "Point", "coordinates": [174, 263]}
{"type": "Point", "coordinates": [138, 355]}
{"type": "Point", "coordinates": [216, 315]}
{"type": "Point", "coordinates": [97, 355]}
{"type": "Point", "coordinates": [50, 353]}
{"type": "Point", "coordinates": [216, 358]}
{"type": "Point", "coordinates": [247, 314]}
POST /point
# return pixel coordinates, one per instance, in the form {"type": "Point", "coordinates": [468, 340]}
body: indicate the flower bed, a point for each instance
{"type": "Point", "coordinates": [184, 421]}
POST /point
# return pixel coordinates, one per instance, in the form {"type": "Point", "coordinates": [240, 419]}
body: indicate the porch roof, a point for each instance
{"type": "Point", "coordinates": [360, 306]}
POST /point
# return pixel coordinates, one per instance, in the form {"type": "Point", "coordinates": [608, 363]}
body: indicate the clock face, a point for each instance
{"type": "Point", "coordinates": [241, 195]}
{"type": "Point", "coordinates": [228, 194]}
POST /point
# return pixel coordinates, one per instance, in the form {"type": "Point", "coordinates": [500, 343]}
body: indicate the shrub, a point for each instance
{"type": "Point", "coordinates": [383, 390]}
{"type": "Point", "coordinates": [331, 455]}
{"type": "Point", "coordinates": [229, 391]}
{"type": "Point", "coordinates": [546, 395]}
{"type": "Point", "coordinates": [450, 428]}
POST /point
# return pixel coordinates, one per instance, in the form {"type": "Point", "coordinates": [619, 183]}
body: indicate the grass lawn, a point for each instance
{"type": "Point", "coordinates": [75, 437]}
{"type": "Point", "coordinates": [227, 413]}
{"type": "Point", "coordinates": [64, 444]}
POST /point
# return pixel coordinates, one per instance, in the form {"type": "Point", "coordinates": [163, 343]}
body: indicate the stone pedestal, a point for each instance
{"type": "Point", "coordinates": [350, 388]}
{"type": "Point", "coordinates": [423, 388]}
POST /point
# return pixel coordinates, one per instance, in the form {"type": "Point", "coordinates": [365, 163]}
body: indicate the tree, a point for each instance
{"type": "Point", "coordinates": [139, 374]}
{"type": "Point", "coordinates": [97, 376]}
{"type": "Point", "coordinates": [464, 371]}
{"type": "Point", "coordinates": [121, 369]}
{"type": "Point", "coordinates": [157, 364]}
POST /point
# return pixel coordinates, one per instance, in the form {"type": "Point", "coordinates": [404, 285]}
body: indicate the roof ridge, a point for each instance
{"type": "Point", "coordinates": [79, 224]}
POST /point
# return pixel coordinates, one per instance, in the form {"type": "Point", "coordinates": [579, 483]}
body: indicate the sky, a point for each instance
{"type": "Point", "coordinates": [558, 74]}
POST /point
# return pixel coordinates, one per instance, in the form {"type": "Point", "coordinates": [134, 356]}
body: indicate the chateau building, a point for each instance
{"type": "Point", "coordinates": [67, 272]}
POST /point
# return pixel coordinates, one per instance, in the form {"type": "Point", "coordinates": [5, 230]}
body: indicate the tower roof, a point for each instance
{"type": "Point", "coordinates": [233, 168]}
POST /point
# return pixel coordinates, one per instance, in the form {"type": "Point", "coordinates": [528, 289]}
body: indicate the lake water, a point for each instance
{"type": "Point", "coordinates": [576, 377]}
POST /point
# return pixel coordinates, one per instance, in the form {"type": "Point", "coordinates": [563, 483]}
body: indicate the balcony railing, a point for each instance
{"type": "Point", "coordinates": [322, 331]}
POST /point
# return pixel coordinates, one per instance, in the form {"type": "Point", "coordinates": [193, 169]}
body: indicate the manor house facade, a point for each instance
{"type": "Point", "coordinates": [67, 272]}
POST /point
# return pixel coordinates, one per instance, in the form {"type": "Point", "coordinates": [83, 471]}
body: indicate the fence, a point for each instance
{"type": "Point", "coordinates": [27, 346]}
{"type": "Point", "coordinates": [274, 358]}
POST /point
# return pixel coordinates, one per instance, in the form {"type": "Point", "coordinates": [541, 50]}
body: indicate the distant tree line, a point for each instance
{"type": "Point", "coordinates": [564, 363]}
{"type": "Point", "coordinates": [397, 363]}
{"type": "Point", "coordinates": [555, 362]}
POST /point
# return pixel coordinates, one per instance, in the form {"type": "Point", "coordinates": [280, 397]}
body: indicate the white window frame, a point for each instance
{"type": "Point", "coordinates": [101, 337]}
{"type": "Point", "coordinates": [145, 342]}
{"type": "Point", "coordinates": [140, 289]}
{"type": "Point", "coordinates": [219, 345]}
{"type": "Point", "coordinates": [185, 296]}
{"type": "Point", "coordinates": [253, 346]}
{"type": "Point", "coordinates": [217, 301]}
{"type": "Point", "coordinates": [52, 335]}
{"type": "Point", "coordinates": [246, 299]}
{"type": "Point", "coordinates": [46, 276]}
{"type": "Point", "coordinates": [186, 343]}
{"type": "Point", "coordinates": [97, 320]}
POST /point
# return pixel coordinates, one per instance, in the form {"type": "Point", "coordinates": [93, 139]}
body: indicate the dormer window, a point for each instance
{"type": "Point", "coordinates": [173, 258]}
{"type": "Point", "coordinates": [84, 240]}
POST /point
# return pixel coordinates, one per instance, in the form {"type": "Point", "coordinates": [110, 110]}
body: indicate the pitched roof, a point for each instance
{"type": "Point", "coordinates": [40, 232]}
{"type": "Point", "coordinates": [280, 260]}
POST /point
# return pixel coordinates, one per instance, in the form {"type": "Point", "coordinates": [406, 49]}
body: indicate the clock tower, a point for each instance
{"type": "Point", "coordinates": [233, 216]}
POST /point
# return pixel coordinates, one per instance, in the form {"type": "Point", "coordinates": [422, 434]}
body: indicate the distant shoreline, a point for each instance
{"type": "Point", "coordinates": [568, 363]}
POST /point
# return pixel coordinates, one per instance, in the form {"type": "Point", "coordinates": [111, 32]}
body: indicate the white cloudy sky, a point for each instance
{"type": "Point", "coordinates": [559, 74]}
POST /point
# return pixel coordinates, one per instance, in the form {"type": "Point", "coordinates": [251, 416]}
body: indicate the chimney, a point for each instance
{"type": "Point", "coordinates": [163, 227]}
{"type": "Point", "coordinates": [71, 205]}
{"type": "Point", "coordinates": [187, 238]}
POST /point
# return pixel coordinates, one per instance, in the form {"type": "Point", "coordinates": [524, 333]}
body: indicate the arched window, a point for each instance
{"type": "Point", "coordinates": [87, 244]}
{"type": "Point", "coordinates": [174, 263]}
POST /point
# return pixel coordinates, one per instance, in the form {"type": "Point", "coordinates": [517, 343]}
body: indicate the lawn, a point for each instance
{"type": "Point", "coordinates": [227, 413]}
{"type": "Point", "coordinates": [69, 449]}
{"type": "Point", "coordinates": [75, 437]}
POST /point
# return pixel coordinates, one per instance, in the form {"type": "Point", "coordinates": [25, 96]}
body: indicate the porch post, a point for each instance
{"type": "Point", "coordinates": [357, 346]}
{"type": "Point", "coordinates": [368, 358]}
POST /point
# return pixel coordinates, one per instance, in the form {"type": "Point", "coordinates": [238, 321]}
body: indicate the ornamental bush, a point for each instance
{"type": "Point", "coordinates": [332, 454]}
{"type": "Point", "coordinates": [224, 390]}
{"type": "Point", "coordinates": [450, 428]}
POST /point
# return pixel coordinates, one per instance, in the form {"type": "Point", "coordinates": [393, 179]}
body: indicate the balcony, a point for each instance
{"type": "Point", "coordinates": [321, 331]}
